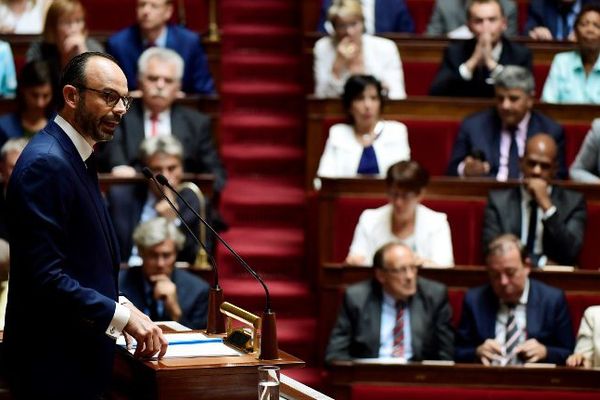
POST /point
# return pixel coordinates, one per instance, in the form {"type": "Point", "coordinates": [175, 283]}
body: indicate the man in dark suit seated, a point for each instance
{"type": "Point", "coordinates": [513, 319]}
{"type": "Point", "coordinates": [153, 29]}
{"type": "Point", "coordinates": [157, 288]}
{"type": "Point", "coordinates": [396, 314]}
{"type": "Point", "coordinates": [549, 220]}
{"type": "Point", "coordinates": [469, 67]}
{"type": "Point", "coordinates": [129, 205]}
{"type": "Point", "coordinates": [491, 142]}
{"type": "Point", "coordinates": [552, 19]}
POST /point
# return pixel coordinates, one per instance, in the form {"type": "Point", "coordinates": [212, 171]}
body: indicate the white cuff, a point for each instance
{"type": "Point", "coordinates": [461, 169]}
{"type": "Point", "coordinates": [549, 212]}
{"type": "Point", "coordinates": [119, 320]}
{"type": "Point", "coordinates": [465, 72]}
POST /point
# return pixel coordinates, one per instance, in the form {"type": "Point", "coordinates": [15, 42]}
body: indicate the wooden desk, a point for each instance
{"type": "Point", "coordinates": [344, 374]}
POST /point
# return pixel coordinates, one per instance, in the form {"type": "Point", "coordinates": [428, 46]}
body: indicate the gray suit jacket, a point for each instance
{"type": "Point", "coordinates": [448, 15]}
{"type": "Point", "coordinates": [586, 167]}
{"type": "Point", "coordinates": [356, 332]}
{"type": "Point", "coordinates": [563, 231]}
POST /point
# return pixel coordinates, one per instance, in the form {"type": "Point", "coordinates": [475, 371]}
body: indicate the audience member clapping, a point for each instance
{"type": "Point", "coordinates": [552, 19]}
{"type": "Point", "coordinates": [22, 16]}
{"type": "Point", "coordinates": [34, 100]}
{"type": "Point", "coordinates": [469, 67]}
{"type": "Point", "coordinates": [575, 75]}
{"type": "Point", "coordinates": [586, 167]}
{"type": "Point", "coordinates": [404, 220]}
{"type": "Point", "coordinates": [350, 51]}
{"type": "Point", "coordinates": [368, 145]}
{"type": "Point", "coordinates": [8, 76]}
{"type": "Point", "coordinates": [587, 348]}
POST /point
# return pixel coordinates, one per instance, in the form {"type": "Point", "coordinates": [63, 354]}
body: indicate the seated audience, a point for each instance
{"type": "Point", "coordinates": [64, 37]}
{"type": "Point", "coordinates": [574, 76]}
{"type": "Point", "coordinates": [34, 102]}
{"type": "Point", "coordinates": [549, 220]}
{"type": "Point", "coordinates": [469, 67]}
{"type": "Point", "coordinates": [153, 29]}
{"type": "Point", "coordinates": [587, 348]}
{"type": "Point", "coordinates": [368, 145]}
{"type": "Point", "coordinates": [129, 205]}
{"type": "Point", "coordinates": [491, 142]}
{"type": "Point", "coordinates": [9, 153]}
{"type": "Point", "coordinates": [586, 167]}
{"type": "Point", "coordinates": [157, 288]}
{"type": "Point", "coordinates": [552, 19]}
{"type": "Point", "coordinates": [8, 76]}
{"type": "Point", "coordinates": [449, 18]}
{"type": "Point", "coordinates": [396, 314]}
{"type": "Point", "coordinates": [513, 319]}
{"type": "Point", "coordinates": [350, 51]}
{"type": "Point", "coordinates": [22, 16]}
{"type": "Point", "coordinates": [404, 220]}
{"type": "Point", "coordinates": [381, 16]}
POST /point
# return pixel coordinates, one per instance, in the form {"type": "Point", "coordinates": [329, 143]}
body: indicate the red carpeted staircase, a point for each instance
{"type": "Point", "coordinates": [262, 146]}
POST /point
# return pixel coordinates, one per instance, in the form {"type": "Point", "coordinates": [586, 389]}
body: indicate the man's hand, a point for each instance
{"type": "Point", "coordinates": [74, 45]}
{"type": "Point", "coordinates": [348, 57]}
{"type": "Point", "coordinates": [538, 188]}
{"type": "Point", "coordinates": [578, 360]}
{"type": "Point", "coordinates": [355, 259]}
{"type": "Point", "coordinates": [488, 352]}
{"type": "Point", "coordinates": [149, 337]}
{"type": "Point", "coordinates": [165, 289]}
{"type": "Point", "coordinates": [531, 351]}
{"type": "Point", "coordinates": [475, 167]}
{"type": "Point", "coordinates": [164, 209]}
{"type": "Point", "coordinates": [540, 33]}
{"type": "Point", "coordinates": [123, 171]}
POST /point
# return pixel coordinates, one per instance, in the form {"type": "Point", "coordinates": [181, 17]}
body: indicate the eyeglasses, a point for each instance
{"type": "Point", "coordinates": [402, 270]}
{"type": "Point", "coordinates": [111, 97]}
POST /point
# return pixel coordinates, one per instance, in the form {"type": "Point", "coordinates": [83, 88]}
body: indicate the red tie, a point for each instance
{"type": "Point", "coordinates": [398, 350]}
{"type": "Point", "coordinates": [154, 126]}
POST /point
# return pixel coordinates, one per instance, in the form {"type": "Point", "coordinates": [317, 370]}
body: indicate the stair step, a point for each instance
{"type": "Point", "coordinates": [262, 97]}
{"type": "Point", "coordinates": [261, 38]}
{"type": "Point", "coordinates": [272, 12]}
{"type": "Point", "coordinates": [297, 336]}
{"type": "Point", "coordinates": [255, 128]}
{"type": "Point", "coordinates": [252, 67]}
{"type": "Point", "coordinates": [271, 251]}
{"type": "Point", "coordinates": [263, 159]}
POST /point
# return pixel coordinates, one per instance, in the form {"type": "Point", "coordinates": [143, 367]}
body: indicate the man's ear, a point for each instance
{"type": "Point", "coordinates": [71, 96]}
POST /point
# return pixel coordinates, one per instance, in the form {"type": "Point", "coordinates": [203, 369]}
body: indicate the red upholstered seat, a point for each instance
{"type": "Point", "coordinates": [540, 72]}
{"type": "Point", "coordinates": [374, 392]}
{"type": "Point", "coordinates": [574, 135]}
{"type": "Point", "coordinates": [418, 76]}
{"type": "Point", "coordinates": [420, 10]}
{"type": "Point", "coordinates": [588, 258]}
{"type": "Point", "coordinates": [431, 142]}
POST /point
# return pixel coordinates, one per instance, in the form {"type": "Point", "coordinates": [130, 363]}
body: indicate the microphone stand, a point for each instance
{"type": "Point", "coordinates": [215, 320]}
{"type": "Point", "coordinates": [268, 343]}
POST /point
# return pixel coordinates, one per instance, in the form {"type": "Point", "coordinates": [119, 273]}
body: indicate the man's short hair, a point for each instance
{"type": "Point", "coordinates": [166, 144]}
{"type": "Point", "coordinates": [515, 77]}
{"type": "Point", "coordinates": [14, 144]}
{"type": "Point", "coordinates": [164, 55]}
{"type": "Point", "coordinates": [156, 231]}
{"type": "Point", "coordinates": [472, 2]}
{"type": "Point", "coordinates": [503, 244]}
{"type": "Point", "coordinates": [74, 72]}
{"type": "Point", "coordinates": [378, 257]}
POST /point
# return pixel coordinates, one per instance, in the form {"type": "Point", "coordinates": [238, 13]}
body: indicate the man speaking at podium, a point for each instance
{"type": "Point", "coordinates": [63, 315]}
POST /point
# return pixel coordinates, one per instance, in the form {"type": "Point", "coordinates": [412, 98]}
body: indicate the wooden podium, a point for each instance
{"type": "Point", "coordinates": [214, 378]}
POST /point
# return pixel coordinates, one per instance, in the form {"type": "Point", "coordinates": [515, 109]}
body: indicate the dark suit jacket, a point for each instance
{"type": "Point", "coordinates": [192, 295]}
{"type": "Point", "coordinates": [189, 126]}
{"type": "Point", "coordinates": [449, 82]}
{"type": "Point", "coordinates": [64, 265]}
{"type": "Point", "coordinates": [356, 332]}
{"type": "Point", "coordinates": [481, 131]}
{"type": "Point", "coordinates": [563, 231]}
{"type": "Point", "coordinates": [125, 205]}
{"type": "Point", "coordinates": [544, 13]}
{"type": "Point", "coordinates": [390, 16]}
{"type": "Point", "coordinates": [126, 46]}
{"type": "Point", "coordinates": [548, 321]}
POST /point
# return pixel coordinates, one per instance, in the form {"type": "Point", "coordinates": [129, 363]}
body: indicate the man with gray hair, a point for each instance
{"type": "Point", "coordinates": [158, 288]}
{"type": "Point", "coordinates": [160, 73]}
{"type": "Point", "coordinates": [491, 142]}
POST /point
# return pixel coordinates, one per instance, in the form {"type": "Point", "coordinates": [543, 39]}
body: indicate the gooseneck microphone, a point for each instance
{"type": "Point", "coordinates": [215, 320]}
{"type": "Point", "coordinates": [269, 349]}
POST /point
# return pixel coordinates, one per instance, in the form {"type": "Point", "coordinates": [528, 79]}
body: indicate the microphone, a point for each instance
{"type": "Point", "coordinates": [215, 321]}
{"type": "Point", "coordinates": [268, 344]}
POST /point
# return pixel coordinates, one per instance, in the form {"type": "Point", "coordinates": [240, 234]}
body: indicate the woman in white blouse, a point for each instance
{"type": "Point", "coordinates": [404, 220]}
{"type": "Point", "coordinates": [368, 145]}
{"type": "Point", "coordinates": [587, 349]}
{"type": "Point", "coordinates": [22, 16]}
{"type": "Point", "coordinates": [350, 51]}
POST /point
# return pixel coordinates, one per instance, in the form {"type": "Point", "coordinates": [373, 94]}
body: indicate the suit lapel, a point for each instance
{"type": "Point", "coordinates": [372, 319]}
{"type": "Point", "coordinates": [535, 309]}
{"type": "Point", "coordinates": [417, 326]}
{"type": "Point", "coordinates": [495, 131]}
{"type": "Point", "coordinates": [133, 130]}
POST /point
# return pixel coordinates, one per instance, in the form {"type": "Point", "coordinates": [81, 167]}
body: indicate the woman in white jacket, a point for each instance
{"type": "Point", "coordinates": [404, 220]}
{"type": "Point", "coordinates": [368, 145]}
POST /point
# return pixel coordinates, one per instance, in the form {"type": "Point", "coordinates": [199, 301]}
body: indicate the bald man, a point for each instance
{"type": "Point", "coordinates": [549, 220]}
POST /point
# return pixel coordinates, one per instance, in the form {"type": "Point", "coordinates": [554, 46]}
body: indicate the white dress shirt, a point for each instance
{"type": "Point", "coordinates": [520, 318]}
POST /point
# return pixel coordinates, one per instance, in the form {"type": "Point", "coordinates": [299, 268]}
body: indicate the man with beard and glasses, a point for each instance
{"type": "Point", "coordinates": [64, 313]}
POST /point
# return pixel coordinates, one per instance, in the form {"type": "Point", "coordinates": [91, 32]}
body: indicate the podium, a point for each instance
{"type": "Point", "coordinates": [214, 378]}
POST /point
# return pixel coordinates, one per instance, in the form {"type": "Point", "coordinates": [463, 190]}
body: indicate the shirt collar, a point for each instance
{"type": "Point", "coordinates": [161, 115]}
{"type": "Point", "coordinates": [161, 40]}
{"type": "Point", "coordinates": [83, 147]}
{"type": "Point", "coordinates": [525, 294]}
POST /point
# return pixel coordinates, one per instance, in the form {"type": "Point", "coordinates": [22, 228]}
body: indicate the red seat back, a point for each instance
{"type": "Point", "coordinates": [418, 76]}
{"type": "Point", "coordinates": [420, 10]}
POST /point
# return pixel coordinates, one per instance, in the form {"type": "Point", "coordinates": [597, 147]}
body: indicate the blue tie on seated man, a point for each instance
{"type": "Point", "coordinates": [157, 287]}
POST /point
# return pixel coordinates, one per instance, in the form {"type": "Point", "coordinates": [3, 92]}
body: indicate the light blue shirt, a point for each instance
{"type": "Point", "coordinates": [567, 81]}
{"type": "Point", "coordinates": [8, 77]}
{"type": "Point", "coordinates": [388, 322]}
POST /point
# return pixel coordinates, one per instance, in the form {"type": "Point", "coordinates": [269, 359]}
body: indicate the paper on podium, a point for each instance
{"type": "Point", "coordinates": [191, 345]}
